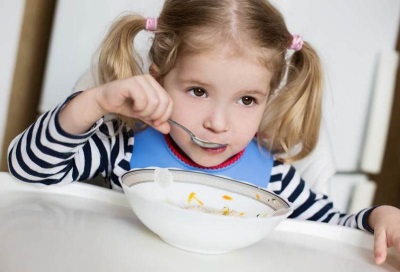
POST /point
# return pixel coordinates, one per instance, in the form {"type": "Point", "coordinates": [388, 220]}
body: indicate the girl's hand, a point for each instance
{"type": "Point", "coordinates": [385, 220]}
{"type": "Point", "coordinates": [140, 97]}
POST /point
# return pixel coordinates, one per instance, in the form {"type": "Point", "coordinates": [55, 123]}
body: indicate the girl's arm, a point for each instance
{"type": "Point", "coordinates": [383, 221]}
{"type": "Point", "coordinates": [45, 153]}
{"type": "Point", "coordinates": [310, 205]}
{"type": "Point", "coordinates": [64, 145]}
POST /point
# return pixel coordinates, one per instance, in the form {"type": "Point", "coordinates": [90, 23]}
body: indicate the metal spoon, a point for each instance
{"type": "Point", "coordinates": [195, 139]}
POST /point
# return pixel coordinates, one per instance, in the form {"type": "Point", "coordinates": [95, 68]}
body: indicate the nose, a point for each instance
{"type": "Point", "coordinates": [217, 120]}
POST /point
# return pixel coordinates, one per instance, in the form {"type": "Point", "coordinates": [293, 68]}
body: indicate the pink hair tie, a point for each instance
{"type": "Point", "coordinates": [151, 24]}
{"type": "Point", "coordinates": [297, 42]}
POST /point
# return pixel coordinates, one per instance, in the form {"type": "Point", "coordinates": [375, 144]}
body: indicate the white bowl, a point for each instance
{"type": "Point", "coordinates": [188, 212]}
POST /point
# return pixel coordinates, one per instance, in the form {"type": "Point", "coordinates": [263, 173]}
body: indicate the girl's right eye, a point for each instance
{"type": "Point", "coordinates": [198, 92]}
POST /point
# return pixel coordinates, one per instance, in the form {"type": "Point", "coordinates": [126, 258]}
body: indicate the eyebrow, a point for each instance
{"type": "Point", "coordinates": [247, 92]}
{"type": "Point", "coordinates": [255, 92]}
{"type": "Point", "coordinates": [195, 82]}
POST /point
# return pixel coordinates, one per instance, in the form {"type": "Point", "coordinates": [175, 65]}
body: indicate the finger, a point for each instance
{"type": "Point", "coordinates": [137, 95]}
{"type": "Point", "coordinates": [162, 124]}
{"type": "Point", "coordinates": [380, 246]}
{"type": "Point", "coordinates": [159, 113]}
{"type": "Point", "coordinates": [164, 109]}
{"type": "Point", "coordinates": [148, 99]}
{"type": "Point", "coordinates": [166, 115]}
{"type": "Point", "coordinates": [163, 128]}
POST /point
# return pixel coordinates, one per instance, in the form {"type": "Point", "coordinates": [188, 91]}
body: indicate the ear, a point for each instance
{"type": "Point", "coordinates": [154, 72]}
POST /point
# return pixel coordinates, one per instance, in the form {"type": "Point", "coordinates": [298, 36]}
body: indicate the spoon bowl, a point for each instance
{"type": "Point", "coordinates": [196, 140]}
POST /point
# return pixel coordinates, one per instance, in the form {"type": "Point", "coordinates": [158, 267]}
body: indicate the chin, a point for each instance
{"type": "Point", "coordinates": [206, 162]}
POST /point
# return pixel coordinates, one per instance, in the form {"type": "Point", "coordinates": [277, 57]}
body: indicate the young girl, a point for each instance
{"type": "Point", "coordinates": [227, 70]}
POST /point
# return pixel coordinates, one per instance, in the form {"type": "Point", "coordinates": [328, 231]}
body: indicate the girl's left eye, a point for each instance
{"type": "Point", "coordinates": [199, 92]}
{"type": "Point", "coordinates": [247, 100]}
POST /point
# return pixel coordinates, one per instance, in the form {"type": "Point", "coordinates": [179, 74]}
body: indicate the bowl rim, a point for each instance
{"type": "Point", "coordinates": [276, 215]}
{"type": "Point", "coordinates": [266, 197]}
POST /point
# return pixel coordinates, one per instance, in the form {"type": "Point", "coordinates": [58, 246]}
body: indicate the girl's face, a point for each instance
{"type": "Point", "coordinates": [220, 97]}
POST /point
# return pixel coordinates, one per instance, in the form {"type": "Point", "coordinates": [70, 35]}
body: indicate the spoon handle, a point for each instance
{"type": "Point", "coordinates": [182, 127]}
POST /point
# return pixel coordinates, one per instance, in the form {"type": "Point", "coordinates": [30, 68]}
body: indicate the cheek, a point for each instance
{"type": "Point", "coordinates": [248, 121]}
{"type": "Point", "coordinates": [246, 126]}
{"type": "Point", "coordinates": [187, 112]}
{"type": "Point", "coordinates": [180, 103]}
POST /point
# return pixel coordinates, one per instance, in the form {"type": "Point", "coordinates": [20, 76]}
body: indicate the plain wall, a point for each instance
{"type": "Point", "coordinates": [11, 13]}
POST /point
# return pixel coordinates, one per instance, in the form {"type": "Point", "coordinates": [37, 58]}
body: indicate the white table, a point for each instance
{"type": "Point", "coordinates": [80, 227]}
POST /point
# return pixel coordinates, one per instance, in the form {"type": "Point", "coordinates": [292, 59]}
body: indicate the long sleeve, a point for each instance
{"type": "Point", "coordinates": [44, 153]}
{"type": "Point", "coordinates": [309, 205]}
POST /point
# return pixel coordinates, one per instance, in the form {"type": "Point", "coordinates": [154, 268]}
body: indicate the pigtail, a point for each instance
{"type": "Point", "coordinates": [118, 58]}
{"type": "Point", "coordinates": [293, 115]}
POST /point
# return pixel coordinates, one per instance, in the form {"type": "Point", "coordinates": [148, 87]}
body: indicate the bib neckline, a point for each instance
{"type": "Point", "coordinates": [177, 151]}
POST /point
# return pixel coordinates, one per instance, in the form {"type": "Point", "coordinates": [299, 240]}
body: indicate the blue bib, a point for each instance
{"type": "Point", "coordinates": [151, 149]}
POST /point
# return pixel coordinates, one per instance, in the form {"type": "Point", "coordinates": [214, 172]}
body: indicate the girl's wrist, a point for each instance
{"type": "Point", "coordinates": [374, 215]}
{"type": "Point", "coordinates": [80, 113]}
{"type": "Point", "coordinates": [97, 98]}
{"type": "Point", "coordinates": [369, 223]}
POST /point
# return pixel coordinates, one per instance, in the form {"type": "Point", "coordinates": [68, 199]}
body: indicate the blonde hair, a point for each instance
{"type": "Point", "coordinates": [293, 113]}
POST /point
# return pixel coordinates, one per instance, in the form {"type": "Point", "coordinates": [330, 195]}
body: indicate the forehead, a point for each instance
{"type": "Point", "coordinates": [225, 67]}
{"type": "Point", "coordinates": [203, 39]}
{"type": "Point", "coordinates": [225, 54]}
{"type": "Point", "coordinates": [207, 42]}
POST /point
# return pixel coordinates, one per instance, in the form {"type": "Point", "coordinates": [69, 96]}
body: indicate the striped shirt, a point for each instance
{"type": "Point", "coordinates": [44, 153]}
